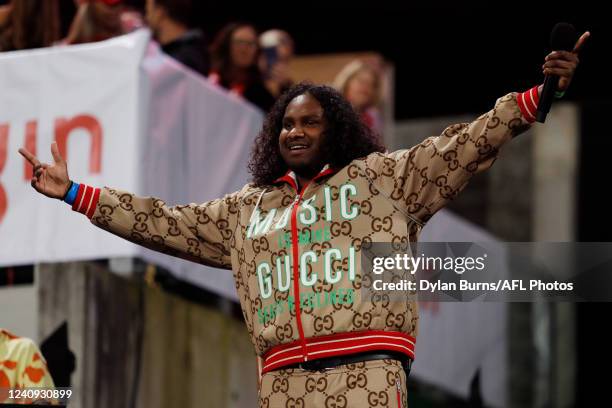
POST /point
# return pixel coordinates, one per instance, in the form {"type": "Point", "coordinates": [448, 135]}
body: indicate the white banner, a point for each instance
{"type": "Point", "coordinates": [86, 98]}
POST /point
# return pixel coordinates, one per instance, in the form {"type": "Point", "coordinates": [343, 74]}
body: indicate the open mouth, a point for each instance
{"type": "Point", "coordinates": [298, 147]}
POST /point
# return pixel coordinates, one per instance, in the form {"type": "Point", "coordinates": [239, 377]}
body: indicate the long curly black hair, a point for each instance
{"type": "Point", "coordinates": [346, 136]}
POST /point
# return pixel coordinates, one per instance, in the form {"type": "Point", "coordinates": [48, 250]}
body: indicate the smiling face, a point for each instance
{"type": "Point", "coordinates": [302, 136]}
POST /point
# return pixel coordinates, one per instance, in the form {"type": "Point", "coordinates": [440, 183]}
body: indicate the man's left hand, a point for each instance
{"type": "Point", "coordinates": [564, 63]}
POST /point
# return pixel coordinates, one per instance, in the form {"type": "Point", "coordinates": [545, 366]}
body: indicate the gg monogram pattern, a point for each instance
{"type": "Point", "coordinates": [255, 232]}
{"type": "Point", "coordinates": [380, 383]}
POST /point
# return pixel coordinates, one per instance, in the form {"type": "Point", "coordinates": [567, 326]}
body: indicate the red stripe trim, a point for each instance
{"type": "Point", "coordinates": [340, 337]}
{"type": "Point", "coordinates": [523, 107]}
{"type": "Point", "coordinates": [94, 203]}
{"type": "Point", "coordinates": [528, 102]}
{"type": "Point", "coordinates": [79, 197]}
{"type": "Point", "coordinates": [535, 99]}
{"type": "Point", "coordinates": [86, 200]}
{"type": "Point", "coordinates": [324, 173]}
{"type": "Point", "coordinates": [337, 345]}
{"type": "Point", "coordinates": [287, 179]}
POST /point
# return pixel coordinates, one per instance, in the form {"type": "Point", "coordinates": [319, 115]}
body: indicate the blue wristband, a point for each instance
{"type": "Point", "coordinates": [72, 193]}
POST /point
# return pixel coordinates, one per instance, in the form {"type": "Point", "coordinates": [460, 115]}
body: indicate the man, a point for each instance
{"type": "Point", "coordinates": [322, 189]}
{"type": "Point", "coordinates": [172, 24]}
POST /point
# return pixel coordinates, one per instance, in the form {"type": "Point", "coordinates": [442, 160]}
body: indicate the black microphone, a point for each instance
{"type": "Point", "coordinates": [562, 37]}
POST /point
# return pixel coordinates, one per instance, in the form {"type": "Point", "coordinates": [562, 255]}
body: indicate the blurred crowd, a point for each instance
{"type": "Point", "coordinates": [239, 58]}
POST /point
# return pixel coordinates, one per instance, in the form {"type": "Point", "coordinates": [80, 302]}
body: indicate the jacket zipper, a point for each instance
{"type": "Point", "coordinates": [296, 270]}
{"type": "Point", "coordinates": [399, 392]}
{"type": "Point", "coordinates": [294, 243]}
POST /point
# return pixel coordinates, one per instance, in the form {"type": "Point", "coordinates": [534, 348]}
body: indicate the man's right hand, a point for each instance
{"type": "Point", "coordinates": [50, 180]}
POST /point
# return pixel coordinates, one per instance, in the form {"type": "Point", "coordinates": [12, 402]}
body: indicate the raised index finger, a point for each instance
{"type": "Point", "coordinates": [29, 156]}
{"type": "Point", "coordinates": [581, 42]}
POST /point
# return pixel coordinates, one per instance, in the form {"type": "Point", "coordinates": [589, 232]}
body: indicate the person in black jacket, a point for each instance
{"type": "Point", "coordinates": [173, 27]}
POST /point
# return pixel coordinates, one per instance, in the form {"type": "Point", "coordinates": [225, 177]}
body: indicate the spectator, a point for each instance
{"type": "Point", "coordinates": [21, 364]}
{"type": "Point", "coordinates": [29, 24]}
{"type": "Point", "coordinates": [98, 20]}
{"type": "Point", "coordinates": [235, 53]}
{"type": "Point", "coordinates": [172, 24]}
{"type": "Point", "coordinates": [360, 84]}
{"type": "Point", "coordinates": [4, 13]}
{"type": "Point", "coordinates": [278, 49]}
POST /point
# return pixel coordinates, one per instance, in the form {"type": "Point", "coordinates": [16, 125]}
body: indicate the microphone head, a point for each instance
{"type": "Point", "coordinates": [563, 37]}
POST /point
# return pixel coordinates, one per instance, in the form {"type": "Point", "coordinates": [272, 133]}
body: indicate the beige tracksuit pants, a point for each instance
{"type": "Point", "coordinates": [377, 383]}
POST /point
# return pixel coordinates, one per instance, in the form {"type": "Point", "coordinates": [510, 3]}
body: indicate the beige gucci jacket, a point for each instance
{"type": "Point", "coordinates": [282, 244]}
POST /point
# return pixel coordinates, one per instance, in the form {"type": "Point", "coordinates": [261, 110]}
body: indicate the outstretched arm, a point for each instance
{"type": "Point", "coordinates": [197, 232]}
{"type": "Point", "coordinates": [421, 180]}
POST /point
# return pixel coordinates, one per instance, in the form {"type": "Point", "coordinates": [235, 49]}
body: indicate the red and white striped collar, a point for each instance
{"type": "Point", "coordinates": [291, 178]}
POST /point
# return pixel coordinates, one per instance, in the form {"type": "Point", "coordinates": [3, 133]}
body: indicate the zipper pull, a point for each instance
{"type": "Point", "coordinates": [400, 402]}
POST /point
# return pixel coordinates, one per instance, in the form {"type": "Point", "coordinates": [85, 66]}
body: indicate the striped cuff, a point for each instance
{"type": "Point", "coordinates": [86, 200]}
{"type": "Point", "coordinates": [528, 103]}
